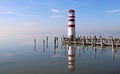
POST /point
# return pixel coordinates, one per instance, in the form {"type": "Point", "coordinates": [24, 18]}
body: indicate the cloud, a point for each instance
{"type": "Point", "coordinates": [25, 15]}
{"type": "Point", "coordinates": [113, 11]}
{"type": "Point", "coordinates": [57, 16]}
{"type": "Point", "coordinates": [8, 12]}
{"type": "Point", "coordinates": [55, 10]}
{"type": "Point", "coordinates": [17, 14]}
{"type": "Point", "coordinates": [118, 14]}
{"type": "Point", "coordinates": [30, 23]}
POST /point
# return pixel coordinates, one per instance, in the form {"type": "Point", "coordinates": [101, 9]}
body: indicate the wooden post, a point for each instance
{"type": "Point", "coordinates": [101, 42]}
{"type": "Point", "coordinates": [112, 43]}
{"type": "Point", "coordinates": [35, 45]}
{"type": "Point", "coordinates": [43, 45]}
{"type": "Point", "coordinates": [116, 42]}
{"type": "Point", "coordinates": [109, 41]}
{"type": "Point", "coordinates": [46, 41]}
{"type": "Point", "coordinates": [83, 40]}
{"type": "Point", "coordinates": [95, 41]}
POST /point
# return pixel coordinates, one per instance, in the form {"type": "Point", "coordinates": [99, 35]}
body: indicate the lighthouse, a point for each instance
{"type": "Point", "coordinates": [71, 23]}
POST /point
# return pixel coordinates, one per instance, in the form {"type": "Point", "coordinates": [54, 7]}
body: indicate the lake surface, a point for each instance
{"type": "Point", "coordinates": [25, 55]}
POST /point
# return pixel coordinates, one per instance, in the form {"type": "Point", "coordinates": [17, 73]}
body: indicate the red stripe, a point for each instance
{"type": "Point", "coordinates": [71, 64]}
{"type": "Point", "coordinates": [71, 26]}
{"type": "Point", "coordinates": [72, 55]}
{"type": "Point", "coordinates": [71, 61]}
{"type": "Point", "coordinates": [71, 19]}
{"type": "Point", "coordinates": [71, 11]}
{"type": "Point", "coordinates": [71, 16]}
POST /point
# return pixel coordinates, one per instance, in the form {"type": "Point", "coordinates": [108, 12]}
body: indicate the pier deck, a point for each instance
{"type": "Point", "coordinates": [110, 41]}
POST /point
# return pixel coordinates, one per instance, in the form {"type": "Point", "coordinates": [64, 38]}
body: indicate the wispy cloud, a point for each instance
{"type": "Point", "coordinates": [55, 10]}
{"type": "Point", "coordinates": [57, 16]}
{"type": "Point", "coordinates": [117, 14]}
{"type": "Point", "coordinates": [113, 11]}
{"type": "Point", "coordinates": [30, 23]}
{"type": "Point", "coordinates": [8, 12]}
{"type": "Point", "coordinates": [18, 14]}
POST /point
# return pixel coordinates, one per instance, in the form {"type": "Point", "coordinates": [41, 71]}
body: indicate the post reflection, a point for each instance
{"type": "Point", "coordinates": [95, 50]}
{"type": "Point", "coordinates": [71, 57]}
{"type": "Point", "coordinates": [79, 54]}
{"type": "Point", "coordinates": [113, 57]}
{"type": "Point", "coordinates": [71, 50]}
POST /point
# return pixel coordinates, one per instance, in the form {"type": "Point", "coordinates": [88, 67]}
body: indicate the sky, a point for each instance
{"type": "Point", "coordinates": [50, 16]}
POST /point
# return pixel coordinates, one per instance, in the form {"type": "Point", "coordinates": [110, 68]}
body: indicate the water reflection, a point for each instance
{"type": "Point", "coordinates": [72, 53]}
{"type": "Point", "coordinates": [59, 58]}
{"type": "Point", "coordinates": [71, 57]}
{"type": "Point", "coordinates": [113, 57]}
{"type": "Point", "coordinates": [95, 50]}
{"type": "Point", "coordinates": [71, 50]}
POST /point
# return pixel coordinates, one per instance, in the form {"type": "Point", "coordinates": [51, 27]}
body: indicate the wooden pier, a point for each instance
{"type": "Point", "coordinates": [94, 41]}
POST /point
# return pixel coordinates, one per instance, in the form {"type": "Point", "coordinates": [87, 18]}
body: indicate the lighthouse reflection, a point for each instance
{"type": "Point", "coordinates": [71, 57]}
{"type": "Point", "coordinates": [78, 56]}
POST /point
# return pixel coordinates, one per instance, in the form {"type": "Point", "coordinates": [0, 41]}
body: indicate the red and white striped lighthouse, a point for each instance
{"type": "Point", "coordinates": [71, 23]}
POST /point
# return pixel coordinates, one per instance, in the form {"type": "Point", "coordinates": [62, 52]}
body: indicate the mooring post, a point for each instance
{"type": "Point", "coordinates": [35, 45]}
{"type": "Point", "coordinates": [109, 41]}
{"type": "Point", "coordinates": [116, 42]}
{"type": "Point", "coordinates": [43, 45]}
{"type": "Point", "coordinates": [54, 42]}
{"type": "Point", "coordinates": [101, 42]}
{"type": "Point", "coordinates": [112, 43]}
{"type": "Point", "coordinates": [83, 40]}
{"type": "Point", "coordinates": [46, 41]}
{"type": "Point", "coordinates": [95, 41]}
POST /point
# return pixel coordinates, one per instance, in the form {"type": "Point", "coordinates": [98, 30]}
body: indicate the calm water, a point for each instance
{"type": "Point", "coordinates": [22, 55]}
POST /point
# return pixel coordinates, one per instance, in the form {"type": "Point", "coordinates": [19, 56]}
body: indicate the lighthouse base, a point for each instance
{"type": "Point", "coordinates": [71, 37]}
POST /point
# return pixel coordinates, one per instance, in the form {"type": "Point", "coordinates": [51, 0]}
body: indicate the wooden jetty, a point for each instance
{"type": "Point", "coordinates": [94, 41]}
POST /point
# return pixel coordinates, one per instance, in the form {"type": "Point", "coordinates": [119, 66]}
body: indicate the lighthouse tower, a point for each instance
{"type": "Point", "coordinates": [71, 23]}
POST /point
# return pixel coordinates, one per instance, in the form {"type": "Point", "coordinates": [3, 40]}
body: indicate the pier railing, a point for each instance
{"type": "Point", "coordinates": [110, 41]}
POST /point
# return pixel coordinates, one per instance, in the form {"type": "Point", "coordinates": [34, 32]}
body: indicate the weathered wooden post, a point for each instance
{"type": "Point", "coordinates": [43, 45]}
{"type": "Point", "coordinates": [95, 41]}
{"type": "Point", "coordinates": [83, 40]}
{"type": "Point", "coordinates": [46, 41]}
{"type": "Point", "coordinates": [116, 42]}
{"type": "Point", "coordinates": [35, 45]}
{"type": "Point", "coordinates": [112, 43]}
{"type": "Point", "coordinates": [101, 42]}
{"type": "Point", "coordinates": [55, 46]}
{"type": "Point", "coordinates": [109, 41]}
{"type": "Point", "coordinates": [54, 43]}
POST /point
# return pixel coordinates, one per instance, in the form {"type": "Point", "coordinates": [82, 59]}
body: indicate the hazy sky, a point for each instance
{"type": "Point", "coordinates": [50, 16]}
